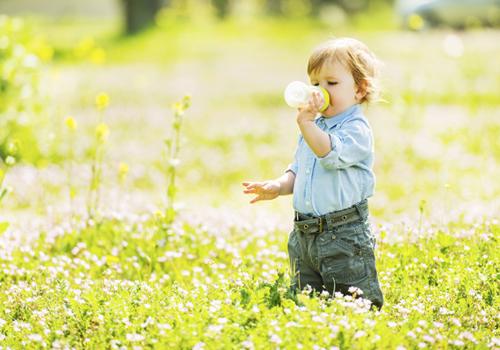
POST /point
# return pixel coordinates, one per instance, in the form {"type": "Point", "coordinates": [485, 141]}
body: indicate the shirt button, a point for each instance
{"type": "Point", "coordinates": [307, 171]}
{"type": "Point", "coordinates": [308, 203]}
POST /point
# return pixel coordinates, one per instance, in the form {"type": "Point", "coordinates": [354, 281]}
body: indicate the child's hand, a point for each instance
{"type": "Point", "coordinates": [264, 190]}
{"type": "Point", "coordinates": [309, 111]}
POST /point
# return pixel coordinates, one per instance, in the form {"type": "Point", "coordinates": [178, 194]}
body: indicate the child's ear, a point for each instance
{"type": "Point", "coordinates": [362, 90]}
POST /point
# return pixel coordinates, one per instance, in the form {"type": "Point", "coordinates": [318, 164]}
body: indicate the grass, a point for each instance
{"type": "Point", "coordinates": [125, 283]}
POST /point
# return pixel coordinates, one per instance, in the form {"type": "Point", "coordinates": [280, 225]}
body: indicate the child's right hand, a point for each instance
{"type": "Point", "coordinates": [265, 190]}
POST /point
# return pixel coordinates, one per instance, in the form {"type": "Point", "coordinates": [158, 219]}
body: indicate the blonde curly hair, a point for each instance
{"type": "Point", "coordinates": [355, 56]}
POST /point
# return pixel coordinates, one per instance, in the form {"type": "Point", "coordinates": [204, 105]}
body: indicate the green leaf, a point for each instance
{"type": "Point", "coordinates": [3, 227]}
{"type": "Point", "coordinates": [3, 192]}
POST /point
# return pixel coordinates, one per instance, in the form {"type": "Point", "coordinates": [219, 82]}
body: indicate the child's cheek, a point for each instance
{"type": "Point", "coordinates": [329, 111]}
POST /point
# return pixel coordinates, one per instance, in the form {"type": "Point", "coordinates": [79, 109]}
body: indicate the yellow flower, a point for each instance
{"type": "Point", "coordinates": [102, 101]}
{"type": "Point", "coordinates": [2, 173]}
{"type": "Point", "coordinates": [178, 108]}
{"type": "Point", "coordinates": [102, 132]}
{"type": "Point", "coordinates": [111, 259]}
{"type": "Point", "coordinates": [43, 50]}
{"type": "Point", "coordinates": [84, 47]}
{"type": "Point", "coordinates": [71, 123]}
{"type": "Point", "coordinates": [415, 22]}
{"type": "Point", "coordinates": [122, 171]}
{"type": "Point", "coordinates": [98, 56]}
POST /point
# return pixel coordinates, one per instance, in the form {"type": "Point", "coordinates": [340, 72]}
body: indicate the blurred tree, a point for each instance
{"type": "Point", "coordinates": [349, 6]}
{"type": "Point", "coordinates": [222, 8]}
{"type": "Point", "coordinates": [139, 14]}
{"type": "Point", "coordinates": [274, 7]}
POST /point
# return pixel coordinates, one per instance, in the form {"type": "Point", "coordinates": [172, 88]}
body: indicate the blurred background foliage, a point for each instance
{"type": "Point", "coordinates": [436, 130]}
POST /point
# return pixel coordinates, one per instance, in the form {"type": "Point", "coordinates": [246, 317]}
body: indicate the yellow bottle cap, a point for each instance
{"type": "Point", "coordinates": [326, 99]}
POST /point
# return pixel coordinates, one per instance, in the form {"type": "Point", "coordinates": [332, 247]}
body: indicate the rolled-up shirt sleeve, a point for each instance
{"type": "Point", "coordinates": [350, 144]}
{"type": "Point", "coordinates": [294, 166]}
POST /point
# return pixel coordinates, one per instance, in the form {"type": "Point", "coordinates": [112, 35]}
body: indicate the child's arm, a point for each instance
{"type": "Point", "coordinates": [270, 189]}
{"type": "Point", "coordinates": [337, 150]}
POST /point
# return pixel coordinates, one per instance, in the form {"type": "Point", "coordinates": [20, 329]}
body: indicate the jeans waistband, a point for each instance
{"type": "Point", "coordinates": [311, 224]}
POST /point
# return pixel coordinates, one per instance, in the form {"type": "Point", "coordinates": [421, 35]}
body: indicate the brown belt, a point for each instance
{"type": "Point", "coordinates": [316, 224]}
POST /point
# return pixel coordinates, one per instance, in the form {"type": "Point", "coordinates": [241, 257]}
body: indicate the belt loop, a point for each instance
{"type": "Point", "coordinates": [359, 207]}
{"type": "Point", "coordinates": [329, 223]}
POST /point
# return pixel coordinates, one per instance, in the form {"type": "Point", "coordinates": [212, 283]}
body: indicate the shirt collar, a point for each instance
{"type": "Point", "coordinates": [338, 118]}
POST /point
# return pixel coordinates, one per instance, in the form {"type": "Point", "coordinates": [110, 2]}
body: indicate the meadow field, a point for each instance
{"type": "Point", "coordinates": [210, 271]}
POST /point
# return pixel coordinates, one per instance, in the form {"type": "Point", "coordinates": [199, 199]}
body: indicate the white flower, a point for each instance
{"type": "Point", "coordinates": [422, 323]}
{"type": "Point", "coordinates": [428, 339]}
{"type": "Point", "coordinates": [359, 334]}
{"type": "Point", "coordinates": [135, 337]}
{"type": "Point", "coordinates": [275, 339]}
{"type": "Point", "coordinates": [247, 344]}
{"type": "Point", "coordinates": [199, 346]}
{"type": "Point", "coordinates": [355, 290]}
{"type": "Point", "coordinates": [35, 337]}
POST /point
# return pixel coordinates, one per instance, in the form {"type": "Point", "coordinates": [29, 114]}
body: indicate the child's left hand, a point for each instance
{"type": "Point", "coordinates": [309, 111]}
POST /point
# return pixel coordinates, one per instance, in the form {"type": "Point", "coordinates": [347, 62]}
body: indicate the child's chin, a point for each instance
{"type": "Point", "coordinates": [329, 112]}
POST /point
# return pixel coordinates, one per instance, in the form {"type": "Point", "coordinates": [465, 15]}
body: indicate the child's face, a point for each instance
{"type": "Point", "coordinates": [338, 81]}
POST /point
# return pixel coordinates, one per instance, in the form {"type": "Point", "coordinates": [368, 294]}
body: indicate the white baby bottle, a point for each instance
{"type": "Point", "coordinates": [298, 93]}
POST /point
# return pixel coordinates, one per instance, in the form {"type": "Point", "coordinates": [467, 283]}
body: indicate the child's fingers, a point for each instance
{"type": "Point", "coordinates": [256, 199]}
{"type": "Point", "coordinates": [316, 100]}
{"type": "Point", "coordinates": [253, 185]}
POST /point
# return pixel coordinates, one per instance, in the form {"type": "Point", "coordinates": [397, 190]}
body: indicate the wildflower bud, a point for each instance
{"type": "Point", "coordinates": [186, 101]}
{"type": "Point", "coordinates": [10, 160]}
{"type": "Point", "coordinates": [102, 132]}
{"type": "Point", "coordinates": [422, 204]}
{"type": "Point", "coordinates": [122, 171]}
{"type": "Point", "coordinates": [102, 101]}
{"type": "Point", "coordinates": [71, 123]}
{"type": "Point", "coordinates": [174, 162]}
{"type": "Point", "coordinates": [178, 108]}
{"type": "Point", "coordinates": [13, 147]}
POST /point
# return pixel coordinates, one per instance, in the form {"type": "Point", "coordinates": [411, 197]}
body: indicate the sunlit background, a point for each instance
{"type": "Point", "coordinates": [127, 128]}
{"type": "Point", "coordinates": [436, 128]}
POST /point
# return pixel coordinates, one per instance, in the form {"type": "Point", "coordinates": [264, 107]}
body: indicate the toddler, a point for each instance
{"type": "Point", "coordinates": [331, 246]}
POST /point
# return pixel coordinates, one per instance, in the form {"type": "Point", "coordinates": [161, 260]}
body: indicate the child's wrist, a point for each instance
{"type": "Point", "coordinates": [278, 183]}
{"type": "Point", "coordinates": [304, 121]}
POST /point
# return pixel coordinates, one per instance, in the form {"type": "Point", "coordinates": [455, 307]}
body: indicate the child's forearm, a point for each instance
{"type": "Point", "coordinates": [317, 139]}
{"type": "Point", "coordinates": [286, 182]}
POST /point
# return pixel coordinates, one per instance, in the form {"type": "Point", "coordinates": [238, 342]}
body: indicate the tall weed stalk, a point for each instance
{"type": "Point", "coordinates": [172, 150]}
{"type": "Point", "coordinates": [101, 137]}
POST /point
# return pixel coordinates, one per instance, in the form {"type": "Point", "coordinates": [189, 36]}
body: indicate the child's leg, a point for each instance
{"type": "Point", "coordinates": [302, 274]}
{"type": "Point", "coordinates": [347, 259]}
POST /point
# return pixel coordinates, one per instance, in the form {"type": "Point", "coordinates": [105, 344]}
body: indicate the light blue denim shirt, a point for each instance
{"type": "Point", "coordinates": [344, 176]}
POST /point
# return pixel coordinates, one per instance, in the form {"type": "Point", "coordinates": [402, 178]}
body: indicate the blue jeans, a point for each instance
{"type": "Point", "coordinates": [335, 259]}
